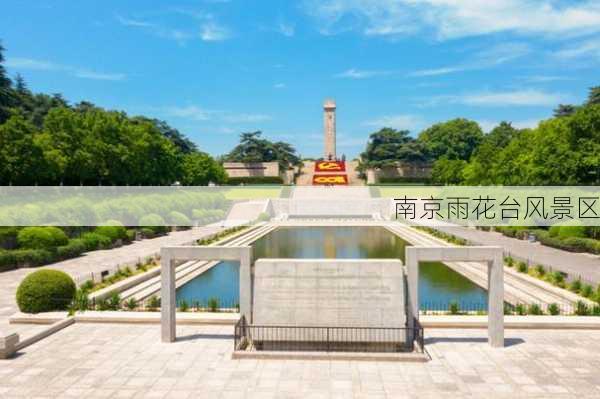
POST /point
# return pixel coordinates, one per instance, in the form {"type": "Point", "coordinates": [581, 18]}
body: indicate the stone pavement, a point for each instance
{"type": "Point", "coordinates": [95, 262]}
{"type": "Point", "coordinates": [575, 264]}
{"type": "Point", "coordinates": [122, 361]}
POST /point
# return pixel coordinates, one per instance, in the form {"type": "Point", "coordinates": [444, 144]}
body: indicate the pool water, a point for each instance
{"type": "Point", "coordinates": [439, 285]}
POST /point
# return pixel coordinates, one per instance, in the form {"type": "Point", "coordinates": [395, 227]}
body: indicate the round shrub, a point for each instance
{"type": "Point", "coordinates": [179, 219]}
{"type": "Point", "coordinates": [42, 237]}
{"type": "Point", "coordinates": [151, 220]}
{"type": "Point", "coordinates": [95, 241]}
{"type": "Point", "coordinates": [45, 291]}
{"type": "Point", "coordinates": [113, 232]}
{"type": "Point", "coordinates": [74, 248]}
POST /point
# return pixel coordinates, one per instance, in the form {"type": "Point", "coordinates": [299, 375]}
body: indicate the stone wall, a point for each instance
{"type": "Point", "coordinates": [251, 169]}
{"type": "Point", "coordinates": [329, 292]}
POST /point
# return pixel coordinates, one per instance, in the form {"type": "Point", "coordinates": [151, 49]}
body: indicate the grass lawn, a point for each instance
{"type": "Point", "coordinates": [252, 192]}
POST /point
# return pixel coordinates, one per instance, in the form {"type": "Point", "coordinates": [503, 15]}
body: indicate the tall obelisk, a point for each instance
{"type": "Point", "coordinates": [329, 129]}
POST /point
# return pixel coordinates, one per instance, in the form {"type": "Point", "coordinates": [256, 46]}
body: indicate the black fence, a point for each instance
{"type": "Point", "coordinates": [327, 339]}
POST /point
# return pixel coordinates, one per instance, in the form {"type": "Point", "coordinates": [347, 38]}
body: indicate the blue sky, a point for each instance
{"type": "Point", "coordinates": [215, 68]}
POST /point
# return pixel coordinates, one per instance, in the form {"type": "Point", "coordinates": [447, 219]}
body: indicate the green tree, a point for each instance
{"type": "Point", "coordinates": [20, 156]}
{"type": "Point", "coordinates": [564, 110]}
{"type": "Point", "coordinates": [253, 148]}
{"type": "Point", "coordinates": [388, 146]}
{"type": "Point", "coordinates": [199, 169]}
{"type": "Point", "coordinates": [481, 169]}
{"type": "Point", "coordinates": [455, 139]}
{"type": "Point", "coordinates": [6, 95]}
{"type": "Point", "coordinates": [594, 96]}
{"type": "Point", "coordinates": [448, 171]}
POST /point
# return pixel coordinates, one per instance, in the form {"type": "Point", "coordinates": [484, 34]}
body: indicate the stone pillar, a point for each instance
{"type": "Point", "coordinates": [8, 345]}
{"type": "Point", "coordinates": [329, 129]}
{"type": "Point", "coordinates": [371, 176]}
{"type": "Point", "coordinates": [496, 301]}
{"type": "Point", "coordinates": [167, 295]}
{"type": "Point", "coordinates": [246, 284]}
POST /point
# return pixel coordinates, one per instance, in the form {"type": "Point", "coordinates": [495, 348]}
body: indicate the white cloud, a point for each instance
{"type": "Point", "coordinates": [402, 122]}
{"type": "Point", "coordinates": [41, 65]}
{"type": "Point", "coordinates": [448, 19]}
{"type": "Point", "coordinates": [198, 113]}
{"type": "Point", "coordinates": [488, 58]}
{"type": "Point", "coordinates": [589, 49]}
{"type": "Point", "coordinates": [191, 112]}
{"type": "Point", "coordinates": [526, 97]}
{"type": "Point", "coordinates": [134, 22]}
{"type": "Point", "coordinates": [213, 32]}
{"type": "Point", "coordinates": [360, 74]}
{"type": "Point", "coordinates": [286, 29]}
{"type": "Point", "coordinates": [548, 78]}
{"type": "Point", "coordinates": [246, 118]}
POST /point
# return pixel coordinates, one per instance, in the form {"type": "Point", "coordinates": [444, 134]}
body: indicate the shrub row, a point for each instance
{"type": "Point", "coordinates": [567, 238]}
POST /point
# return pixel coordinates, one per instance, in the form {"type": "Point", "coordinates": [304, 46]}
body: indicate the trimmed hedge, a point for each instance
{"type": "Point", "coordinates": [236, 181]}
{"type": "Point", "coordinates": [42, 237]}
{"type": "Point", "coordinates": [73, 249]}
{"type": "Point", "coordinates": [113, 232]}
{"type": "Point", "coordinates": [25, 258]}
{"type": "Point", "coordinates": [8, 237]}
{"type": "Point", "coordinates": [95, 241]}
{"type": "Point", "coordinates": [45, 291]}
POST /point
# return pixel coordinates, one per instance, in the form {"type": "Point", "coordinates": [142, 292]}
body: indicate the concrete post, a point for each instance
{"type": "Point", "coordinates": [167, 295]}
{"type": "Point", "coordinates": [496, 301]}
{"type": "Point", "coordinates": [246, 283]}
{"type": "Point", "coordinates": [412, 266]}
{"type": "Point", "coordinates": [8, 345]}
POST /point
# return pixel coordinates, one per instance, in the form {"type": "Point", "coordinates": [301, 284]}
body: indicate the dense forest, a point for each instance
{"type": "Point", "coordinates": [44, 140]}
{"type": "Point", "coordinates": [563, 150]}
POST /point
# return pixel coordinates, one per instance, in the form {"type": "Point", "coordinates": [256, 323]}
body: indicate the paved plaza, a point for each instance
{"type": "Point", "coordinates": [122, 361]}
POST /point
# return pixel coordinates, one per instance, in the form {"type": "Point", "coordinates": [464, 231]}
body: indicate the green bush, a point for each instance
{"type": "Point", "coordinates": [520, 309]}
{"type": "Point", "coordinates": [522, 267]}
{"type": "Point", "coordinates": [581, 309]}
{"type": "Point", "coordinates": [131, 304]}
{"type": "Point", "coordinates": [184, 306]}
{"type": "Point", "coordinates": [25, 258]}
{"type": "Point", "coordinates": [540, 270]}
{"type": "Point", "coordinates": [596, 310]}
{"type": "Point", "coordinates": [454, 309]}
{"type": "Point", "coordinates": [45, 291]}
{"type": "Point", "coordinates": [509, 261]}
{"type": "Point", "coordinates": [587, 291]}
{"type": "Point", "coordinates": [47, 237]}
{"type": "Point", "coordinates": [153, 303]}
{"type": "Point", "coordinates": [131, 233]}
{"type": "Point", "coordinates": [8, 237]}
{"type": "Point", "coordinates": [575, 286]}
{"type": "Point", "coordinates": [114, 233]}
{"type": "Point", "coordinates": [571, 231]}
{"type": "Point", "coordinates": [213, 304]}
{"type": "Point", "coordinates": [114, 302]}
{"type": "Point", "coordinates": [534, 309]}
{"type": "Point", "coordinates": [74, 248]}
{"type": "Point", "coordinates": [553, 309]}
{"type": "Point", "coordinates": [179, 219]}
{"type": "Point", "coordinates": [236, 181]}
{"type": "Point", "coordinates": [147, 232]}
{"type": "Point", "coordinates": [558, 278]}
{"type": "Point", "coordinates": [95, 241]}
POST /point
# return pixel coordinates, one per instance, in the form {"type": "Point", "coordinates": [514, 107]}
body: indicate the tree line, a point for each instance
{"type": "Point", "coordinates": [563, 150]}
{"type": "Point", "coordinates": [46, 141]}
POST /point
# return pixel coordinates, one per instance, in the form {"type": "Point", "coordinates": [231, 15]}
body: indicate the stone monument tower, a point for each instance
{"type": "Point", "coordinates": [329, 129]}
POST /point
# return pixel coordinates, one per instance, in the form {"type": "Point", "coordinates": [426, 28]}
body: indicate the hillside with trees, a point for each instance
{"type": "Point", "coordinates": [46, 141]}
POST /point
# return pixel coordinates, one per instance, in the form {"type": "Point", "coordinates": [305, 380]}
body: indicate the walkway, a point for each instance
{"type": "Point", "coordinates": [575, 264]}
{"type": "Point", "coordinates": [109, 360]}
{"type": "Point", "coordinates": [91, 262]}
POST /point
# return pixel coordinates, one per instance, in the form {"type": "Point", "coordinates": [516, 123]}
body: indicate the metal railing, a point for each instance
{"type": "Point", "coordinates": [327, 339]}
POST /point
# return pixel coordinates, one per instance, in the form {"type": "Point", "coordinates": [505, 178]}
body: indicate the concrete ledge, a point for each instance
{"type": "Point", "coordinates": [8, 345]}
{"type": "Point", "coordinates": [38, 318]}
{"type": "Point", "coordinates": [45, 333]}
{"type": "Point", "coordinates": [91, 316]}
{"type": "Point", "coordinates": [514, 322]}
{"type": "Point", "coordinates": [412, 357]}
